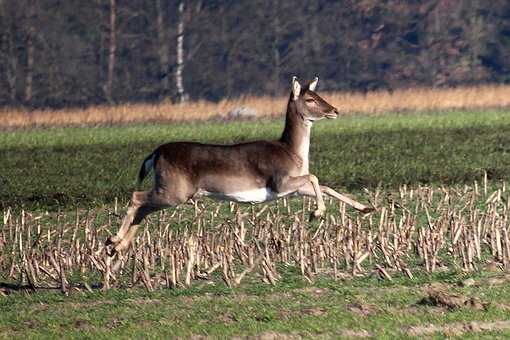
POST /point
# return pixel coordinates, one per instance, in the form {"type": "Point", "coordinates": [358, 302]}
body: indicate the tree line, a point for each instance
{"type": "Point", "coordinates": [56, 53]}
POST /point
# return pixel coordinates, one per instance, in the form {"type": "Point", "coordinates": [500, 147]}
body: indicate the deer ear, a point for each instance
{"type": "Point", "coordinates": [313, 84]}
{"type": "Point", "coordinates": [296, 88]}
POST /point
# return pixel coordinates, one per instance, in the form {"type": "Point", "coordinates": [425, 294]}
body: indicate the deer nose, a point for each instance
{"type": "Point", "coordinates": [332, 114]}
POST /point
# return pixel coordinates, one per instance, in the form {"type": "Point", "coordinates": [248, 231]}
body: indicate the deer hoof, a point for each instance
{"type": "Point", "coordinates": [110, 245]}
{"type": "Point", "coordinates": [316, 214]}
{"type": "Point", "coordinates": [368, 210]}
{"type": "Point", "coordinates": [319, 212]}
{"type": "Point", "coordinates": [112, 240]}
{"type": "Point", "coordinates": [123, 245]}
{"type": "Point", "coordinates": [110, 251]}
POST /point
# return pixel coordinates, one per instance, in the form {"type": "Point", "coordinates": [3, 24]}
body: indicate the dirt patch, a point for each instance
{"type": "Point", "coordinates": [503, 306]}
{"type": "Point", "coordinates": [456, 329]}
{"type": "Point", "coordinates": [31, 324]}
{"type": "Point", "coordinates": [496, 281]}
{"type": "Point", "coordinates": [356, 334]}
{"type": "Point", "coordinates": [493, 266]}
{"type": "Point", "coordinates": [278, 296]}
{"type": "Point", "coordinates": [362, 308]}
{"type": "Point", "coordinates": [313, 291]}
{"type": "Point", "coordinates": [272, 336]}
{"type": "Point", "coordinates": [314, 311]}
{"type": "Point", "coordinates": [286, 314]}
{"type": "Point", "coordinates": [492, 281]}
{"type": "Point", "coordinates": [114, 323]}
{"type": "Point", "coordinates": [228, 318]}
{"type": "Point", "coordinates": [467, 283]}
{"type": "Point", "coordinates": [262, 318]}
{"type": "Point", "coordinates": [438, 297]}
{"type": "Point", "coordinates": [42, 307]}
{"type": "Point", "coordinates": [81, 324]}
{"type": "Point", "coordinates": [283, 314]}
{"type": "Point", "coordinates": [142, 301]}
{"type": "Point", "coordinates": [89, 304]}
{"type": "Point", "coordinates": [199, 337]}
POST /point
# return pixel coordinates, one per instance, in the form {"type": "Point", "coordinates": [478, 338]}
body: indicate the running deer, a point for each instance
{"type": "Point", "coordinates": [251, 172]}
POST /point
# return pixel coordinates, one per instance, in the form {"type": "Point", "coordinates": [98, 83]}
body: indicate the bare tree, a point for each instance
{"type": "Point", "coordinates": [8, 51]}
{"type": "Point", "coordinates": [100, 52]}
{"type": "Point", "coordinates": [276, 57]}
{"type": "Point", "coordinates": [48, 57]}
{"type": "Point", "coordinates": [163, 49]}
{"type": "Point", "coordinates": [181, 94]}
{"type": "Point", "coordinates": [111, 52]}
{"type": "Point", "coordinates": [30, 38]}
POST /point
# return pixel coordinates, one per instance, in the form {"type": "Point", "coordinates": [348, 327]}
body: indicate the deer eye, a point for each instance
{"type": "Point", "coordinates": [309, 100]}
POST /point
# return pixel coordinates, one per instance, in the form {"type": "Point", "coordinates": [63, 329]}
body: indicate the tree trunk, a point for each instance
{"type": "Point", "coordinates": [30, 36]}
{"type": "Point", "coordinates": [100, 53]}
{"type": "Point", "coordinates": [163, 51]}
{"type": "Point", "coordinates": [181, 94]}
{"type": "Point", "coordinates": [12, 70]}
{"type": "Point", "coordinates": [111, 53]}
{"type": "Point", "coordinates": [313, 39]}
{"type": "Point", "coordinates": [227, 54]}
{"type": "Point", "coordinates": [8, 53]}
{"type": "Point", "coordinates": [29, 70]}
{"type": "Point", "coordinates": [275, 83]}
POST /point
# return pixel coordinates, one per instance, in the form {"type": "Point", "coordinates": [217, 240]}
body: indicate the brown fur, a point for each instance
{"type": "Point", "coordinates": [218, 168]}
{"type": "Point", "coordinates": [185, 169]}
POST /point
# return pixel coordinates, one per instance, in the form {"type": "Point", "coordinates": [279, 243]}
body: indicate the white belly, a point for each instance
{"type": "Point", "coordinates": [249, 196]}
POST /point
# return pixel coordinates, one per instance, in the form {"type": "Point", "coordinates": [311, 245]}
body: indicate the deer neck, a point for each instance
{"type": "Point", "coordinates": [296, 135]}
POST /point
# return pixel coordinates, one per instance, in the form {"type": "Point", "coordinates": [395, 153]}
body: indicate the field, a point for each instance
{"type": "Point", "coordinates": [432, 261]}
{"type": "Point", "coordinates": [371, 103]}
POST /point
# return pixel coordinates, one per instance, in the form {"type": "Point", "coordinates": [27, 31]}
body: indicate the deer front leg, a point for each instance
{"type": "Point", "coordinates": [290, 185]}
{"type": "Point", "coordinates": [309, 191]}
{"type": "Point", "coordinates": [347, 200]}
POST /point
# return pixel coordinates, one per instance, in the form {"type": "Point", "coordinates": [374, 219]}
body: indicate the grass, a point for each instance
{"type": "Point", "coordinates": [328, 309]}
{"type": "Point", "coordinates": [372, 103]}
{"type": "Point", "coordinates": [65, 168]}
{"type": "Point", "coordinates": [59, 167]}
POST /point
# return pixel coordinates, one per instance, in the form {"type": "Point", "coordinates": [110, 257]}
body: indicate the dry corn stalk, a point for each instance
{"type": "Point", "coordinates": [440, 227]}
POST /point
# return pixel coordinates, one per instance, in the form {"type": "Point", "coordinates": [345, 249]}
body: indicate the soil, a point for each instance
{"type": "Point", "coordinates": [456, 329]}
{"type": "Point", "coordinates": [438, 297]}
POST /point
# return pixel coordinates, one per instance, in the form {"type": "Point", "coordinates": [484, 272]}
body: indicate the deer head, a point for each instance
{"type": "Point", "coordinates": [309, 105]}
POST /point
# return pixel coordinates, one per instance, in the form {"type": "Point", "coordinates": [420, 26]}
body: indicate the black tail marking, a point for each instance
{"type": "Point", "coordinates": [147, 165]}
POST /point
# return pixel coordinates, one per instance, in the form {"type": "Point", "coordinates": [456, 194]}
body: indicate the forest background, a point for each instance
{"type": "Point", "coordinates": [72, 53]}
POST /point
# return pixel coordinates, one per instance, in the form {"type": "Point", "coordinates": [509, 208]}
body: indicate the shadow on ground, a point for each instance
{"type": "Point", "coordinates": [59, 177]}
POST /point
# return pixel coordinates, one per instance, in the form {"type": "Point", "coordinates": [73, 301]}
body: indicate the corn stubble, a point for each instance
{"type": "Point", "coordinates": [415, 229]}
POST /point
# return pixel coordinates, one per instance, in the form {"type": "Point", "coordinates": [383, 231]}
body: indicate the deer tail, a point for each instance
{"type": "Point", "coordinates": [147, 166]}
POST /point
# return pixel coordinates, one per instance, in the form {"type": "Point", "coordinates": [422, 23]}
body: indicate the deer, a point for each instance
{"type": "Point", "coordinates": [248, 172]}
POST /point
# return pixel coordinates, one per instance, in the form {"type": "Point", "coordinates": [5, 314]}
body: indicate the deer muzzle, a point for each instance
{"type": "Point", "coordinates": [332, 114]}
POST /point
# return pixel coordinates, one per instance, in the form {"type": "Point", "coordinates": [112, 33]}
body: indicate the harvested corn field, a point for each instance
{"type": "Point", "coordinates": [432, 260]}
{"type": "Point", "coordinates": [416, 229]}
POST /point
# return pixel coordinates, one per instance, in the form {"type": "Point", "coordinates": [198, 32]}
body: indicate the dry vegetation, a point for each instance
{"type": "Point", "coordinates": [417, 229]}
{"type": "Point", "coordinates": [412, 100]}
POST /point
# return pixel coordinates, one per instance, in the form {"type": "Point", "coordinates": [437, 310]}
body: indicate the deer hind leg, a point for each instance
{"type": "Point", "coordinates": [143, 203]}
{"type": "Point", "coordinates": [140, 214]}
{"type": "Point", "coordinates": [295, 184]}
{"type": "Point", "coordinates": [138, 199]}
